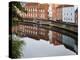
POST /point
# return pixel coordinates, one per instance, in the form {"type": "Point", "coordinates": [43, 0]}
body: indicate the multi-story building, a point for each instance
{"type": "Point", "coordinates": [32, 10]}
{"type": "Point", "coordinates": [36, 11]}
{"type": "Point", "coordinates": [59, 13]}
{"type": "Point", "coordinates": [63, 13]}
{"type": "Point", "coordinates": [43, 11]}
{"type": "Point", "coordinates": [66, 13]}
{"type": "Point", "coordinates": [76, 16]}
{"type": "Point", "coordinates": [55, 12]}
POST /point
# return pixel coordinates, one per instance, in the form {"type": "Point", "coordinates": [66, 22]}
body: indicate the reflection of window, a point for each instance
{"type": "Point", "coordinates": [31, 15]}
{"type": "Point", "coordinates": [71, 13]}
{"type": "Point", "coordinates": [67, 14]}
{"type": "Point", "coordinates": [32, 9]}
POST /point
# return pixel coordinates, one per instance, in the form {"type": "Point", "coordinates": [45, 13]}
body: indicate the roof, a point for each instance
{"type": "Point", "coordinates": [43, 6]}
{"type": "Point", "coordinates": [31, 4]}
{"type": "Point", "coordinates": [60, 6]}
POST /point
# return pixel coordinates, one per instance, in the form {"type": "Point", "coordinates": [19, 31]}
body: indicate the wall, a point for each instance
{"type": "Point", "coordinates": [68, 14]}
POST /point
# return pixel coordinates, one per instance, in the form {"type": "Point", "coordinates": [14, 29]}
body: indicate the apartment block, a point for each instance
{"type": "Point", "coordinates": [36, 10]}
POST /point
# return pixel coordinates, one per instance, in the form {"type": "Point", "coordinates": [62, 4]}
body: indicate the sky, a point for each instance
{"type": "Point", "coordinates": [76, 2]}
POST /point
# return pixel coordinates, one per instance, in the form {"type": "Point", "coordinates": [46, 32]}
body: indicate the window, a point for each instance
{"type": "Point", "coordinates": [31, 15]}
{"type": "Point", "coordinates": [43, 10]}
{"type": "Point", "coordinates": [31, 9]}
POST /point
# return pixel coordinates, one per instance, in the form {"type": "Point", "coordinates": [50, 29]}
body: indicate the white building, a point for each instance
{"type": "Point", "coordinates": [68, 14]}
{"type": "Point", "coordinates": [50, 12]}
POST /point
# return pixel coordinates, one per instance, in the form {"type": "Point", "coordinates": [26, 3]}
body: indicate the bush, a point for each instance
{"type": "Point", "coordinates": [16, 48]}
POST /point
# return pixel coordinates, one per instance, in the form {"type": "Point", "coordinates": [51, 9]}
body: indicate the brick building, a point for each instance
{"type": "Point", "coordinates": [55, 12]}
{"type": "Point", "coordinates": [43, 11]}
{"type": "Point", "coordinates": [36, 11]}
{"type": "Point", "coordinates": [32, 10]}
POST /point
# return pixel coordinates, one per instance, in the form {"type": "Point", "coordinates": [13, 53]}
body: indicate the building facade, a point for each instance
{"type": "Point", "coordinates": [68, 13]}
{"type": "Point", "coordinates": [43, 11]}
{"type": "Point", "coordinates": [36, 11]}
{"type": "Point", "coordinates": [63, 13]}
{"type": "Point", "coordinates": [32, 10]}
{"type": "Point", "coordinates": [76, 16]}
{"type": "Point", "coordinates": [56, 12]}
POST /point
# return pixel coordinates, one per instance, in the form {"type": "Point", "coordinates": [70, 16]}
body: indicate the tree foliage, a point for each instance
{"type": "Point", "coordinates": [13, 11]}
{"type": "Point", "coordinates": [18, 5]}
{"type": "Point", "coordinates": [16, 48]}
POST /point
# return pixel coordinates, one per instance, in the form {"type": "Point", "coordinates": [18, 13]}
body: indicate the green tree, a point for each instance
{"type": "Point", "coordinates": [13, 11]}
{"type": "Point", "coordinates": [16, 47]}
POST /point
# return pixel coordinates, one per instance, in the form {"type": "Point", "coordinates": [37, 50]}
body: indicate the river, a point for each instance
{"type": "Point", "coordinates": [50, 43]}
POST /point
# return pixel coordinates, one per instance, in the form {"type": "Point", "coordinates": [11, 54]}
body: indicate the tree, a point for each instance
{"type": "Point", "coordinates": [13, 11]}
{"type": "Point", "coordinates": [16, 44]}
{"type": "Point", "coordinates": [16, 47]}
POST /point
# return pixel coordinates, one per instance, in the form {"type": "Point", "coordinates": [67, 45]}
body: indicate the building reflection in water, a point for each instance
{"type": "Point", "coordinates": [38, 33]}
{"type": "Point", "coordinates": [55, 38]}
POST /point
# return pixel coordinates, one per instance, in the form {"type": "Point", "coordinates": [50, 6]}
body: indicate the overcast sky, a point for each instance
{"type": "Point", "coordinates": [76, 2]}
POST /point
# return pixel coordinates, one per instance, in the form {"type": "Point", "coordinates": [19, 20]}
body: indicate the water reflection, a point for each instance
{"type": "Point", "coordinates": [55, 38]}
{"type": "Point", "coordinates": [42, 48]}
{"type": "Point", "coordinates": [70, 43]}
{"type": "Point", "coordinates": [45, 42]}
